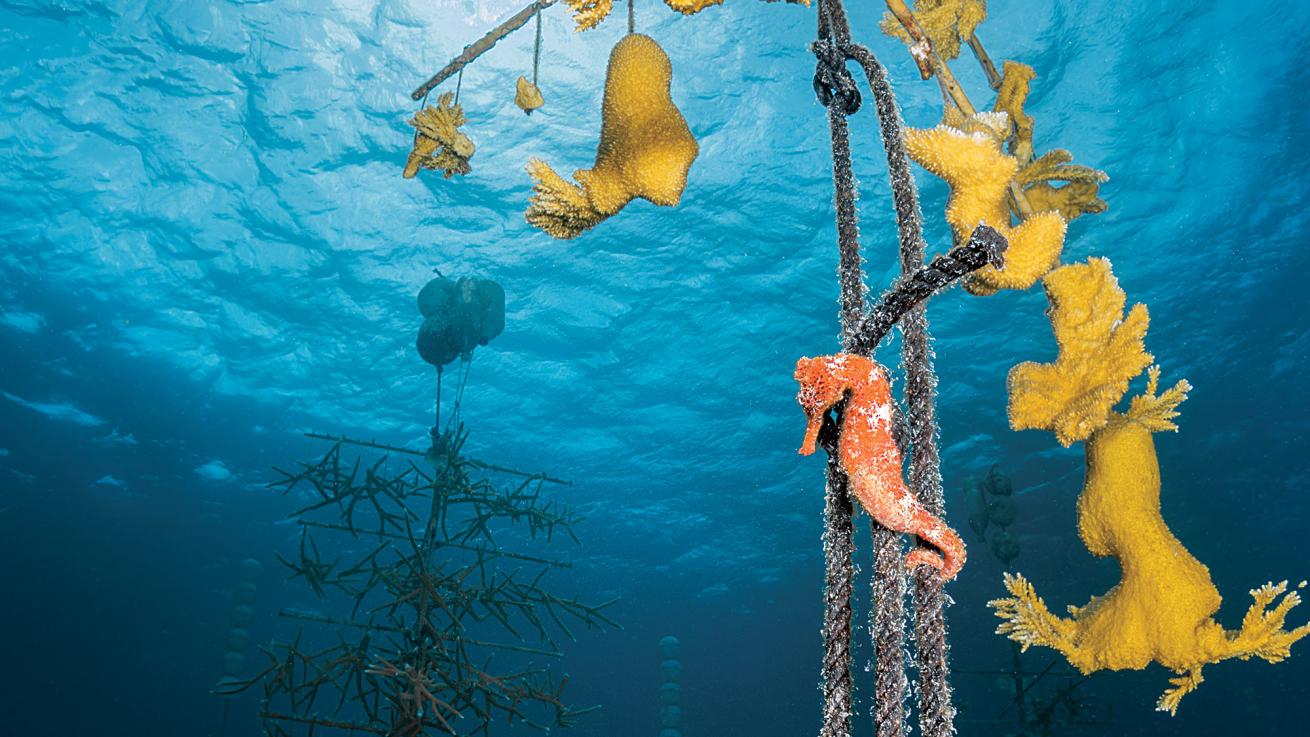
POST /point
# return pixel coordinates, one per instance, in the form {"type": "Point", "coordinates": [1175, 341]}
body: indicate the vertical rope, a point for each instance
{"type": "Point", "coordinates": [436, 428]}
{"type": "Point", "coordinates": [632, 24]}
{"type": "Point", "coordinates": [837, 92]}
{"type": "Point", "coordinates": [839, 579]}
{"type": "Point", "coordinates": [888, 631]}
{"type": "Point", "coordinates": [936, 712]}
{"type": "Point", "coordinates": [536, 52]}
{"type": "Point", "coordinates": [839, 531]}
{"type": "Point", "coordinates": [462, 375]}
{"type": "Point", "coordinates": [838, 538]}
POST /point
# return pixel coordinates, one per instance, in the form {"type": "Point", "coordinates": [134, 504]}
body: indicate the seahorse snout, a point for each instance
{"type": "Point", "coordinates": [812, 426]}
{"type": "Point", "coordinates": [818, 392]}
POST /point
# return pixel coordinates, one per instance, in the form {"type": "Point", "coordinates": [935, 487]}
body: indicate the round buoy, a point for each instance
{"type": "Point", "coordinates": [1003, 510]}
{"type": "Point", "coordinates": [237, 639]}
{"type": "Point", "coordinates": [669, 646]}
{"type": "Point", "coordinates": [233, 664]}
{"type": "Point", "coordinates": [1004, 545]}
{"type": "Point", "coordinates": [458, 316]}
{"type": "Point", "coordinates": [671, 668]}
{"type": "Point", "coordinates": [242, 615]}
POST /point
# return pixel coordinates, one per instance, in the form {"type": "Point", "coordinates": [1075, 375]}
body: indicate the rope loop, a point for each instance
{"type": "Point", "coordinates": [832, 80]}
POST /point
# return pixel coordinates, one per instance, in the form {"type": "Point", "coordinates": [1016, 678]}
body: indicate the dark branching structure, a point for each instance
{"type": "Point", "coordinates": [429, 626]}
{"type": "Point", "coordinates": [861, 331]}
{"type": "Point", "coordinates": [1045, 702]}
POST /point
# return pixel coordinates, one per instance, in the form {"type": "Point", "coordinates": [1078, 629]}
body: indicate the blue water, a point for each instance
{"type": "Point", "coordinates": [206, 250]}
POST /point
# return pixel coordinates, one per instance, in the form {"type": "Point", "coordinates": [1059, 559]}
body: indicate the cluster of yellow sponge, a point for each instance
{"type": "Point", "coordinates": [1162, 609]}
{"type": "Point", "coordinates": [438, 142]}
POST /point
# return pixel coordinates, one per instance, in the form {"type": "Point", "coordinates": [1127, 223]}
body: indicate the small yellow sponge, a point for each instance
{"type": "Point", "coordinates": [646, 148]}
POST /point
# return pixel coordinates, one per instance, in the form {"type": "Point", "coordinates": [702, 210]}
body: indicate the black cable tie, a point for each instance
{"type": "Point", "coordinates": [986, 247]}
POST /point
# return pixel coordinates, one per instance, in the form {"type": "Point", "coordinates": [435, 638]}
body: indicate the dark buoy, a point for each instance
{"type": "Point", "coordinates": [459, 315]}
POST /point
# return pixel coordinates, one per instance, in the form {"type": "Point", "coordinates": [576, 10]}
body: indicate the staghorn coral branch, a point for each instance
{"type": "Point", "coordinates": [472, 462]}
{"type": "Point", "coordinates": [321, 722]}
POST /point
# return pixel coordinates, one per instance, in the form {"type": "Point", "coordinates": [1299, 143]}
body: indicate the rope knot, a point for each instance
{"type": "Point", "coordinates": [832, 80]}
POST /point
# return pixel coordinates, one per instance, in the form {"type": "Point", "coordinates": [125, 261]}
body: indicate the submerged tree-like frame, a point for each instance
{"type": "Point", "coordinates": [430, 627]}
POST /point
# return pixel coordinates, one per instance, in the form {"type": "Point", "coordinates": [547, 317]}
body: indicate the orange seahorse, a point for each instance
{"type": "Point", "coordinates": [868, 453]}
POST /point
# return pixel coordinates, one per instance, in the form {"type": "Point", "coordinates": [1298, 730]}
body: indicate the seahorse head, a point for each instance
{"type": "Point", "coordinates": [823, 382]}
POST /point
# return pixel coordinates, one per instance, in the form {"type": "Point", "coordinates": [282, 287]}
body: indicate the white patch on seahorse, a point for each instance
{"type": "Point", "coordinates": [880, 415]}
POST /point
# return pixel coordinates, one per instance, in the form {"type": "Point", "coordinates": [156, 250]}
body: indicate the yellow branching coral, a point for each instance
{"type": "Point", "coordinates": [691, 7]}
{"type": "Point", "coordinates": [438, 142]}
{"type": "Point", "coordinates": [1101, 350]}
{"type": "Point", "coordinates": [1016, 79]}
{"type": "Point", "coordinates": [559, 206]}
{"type": "Point", "coordinates": [1054, 166]}
{"type": "Point", "coordinates": [1071, 200]}
{"type": "Point", "coordinates": [1078, 197]}
{"type": "Point", "coordinates": [1162, 609]}
{"type": "Point", "coordinates": [1157, 413]}
{"type": "Point", "coordinates": [978, 172]}
{"type": "Point", "coordinates": [528, 96]}
{"type": "Point", "coordinates": [646, 148]}
{"type": "Point", "coordinates": [589, 13]}
{"type": "Point", "coordinates": [1081, 195]}
{"type": "Point", "coordinates": [948, 23]}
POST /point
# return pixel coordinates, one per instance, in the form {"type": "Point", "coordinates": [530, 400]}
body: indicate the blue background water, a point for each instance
{"type": "Point", "coordinates": [206, 249]}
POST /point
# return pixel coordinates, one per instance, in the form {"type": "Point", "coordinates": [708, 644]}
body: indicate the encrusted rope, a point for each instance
{"type": "Point", "coordinates": [481, 46]}
{"type": "Point", "coordinates": [837, 91]}
{"type": "Point", "coordinates": [936, 711]}
{"type": "Point", "coordinates": [536, 52]}
{"type": "Point", "coordinates": [839, 531]}
{"type": "Point", "coordinates": [861, 333]}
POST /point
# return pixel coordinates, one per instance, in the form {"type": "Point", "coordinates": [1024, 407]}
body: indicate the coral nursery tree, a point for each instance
{"type": "Point", "coordinates": [429, 624]}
